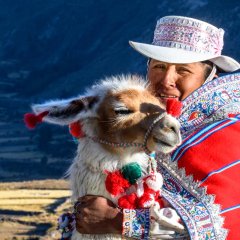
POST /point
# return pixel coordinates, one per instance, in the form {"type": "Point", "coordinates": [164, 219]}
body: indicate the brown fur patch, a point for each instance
{"type": "Point", "coordinates": [75, 107]}
{"type": "Point", "coordinates": [128, 127]}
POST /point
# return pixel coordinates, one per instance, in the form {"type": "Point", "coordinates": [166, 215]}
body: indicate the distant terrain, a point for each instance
{"type": "Point", "coordinates": [29, 210]}
{"type": "Point", "coordinates": [55, 48]}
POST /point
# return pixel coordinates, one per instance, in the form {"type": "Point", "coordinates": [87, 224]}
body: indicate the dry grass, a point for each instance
{"type": "Point", "coordinates": [29, 210]}
{"type": "Point", "coordinates": [32, 193]}
{"type": "Point", "coordinates": [39, 184]}
{"type": "Point", "coordinates": [26, 209]}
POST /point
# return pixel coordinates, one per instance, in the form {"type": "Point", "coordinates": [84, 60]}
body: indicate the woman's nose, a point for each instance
{"type": "Point", "coordinates": [170, 77]}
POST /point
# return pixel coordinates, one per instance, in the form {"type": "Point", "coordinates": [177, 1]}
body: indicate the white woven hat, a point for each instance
{"type": "Point", "coordinates": [187, 40]}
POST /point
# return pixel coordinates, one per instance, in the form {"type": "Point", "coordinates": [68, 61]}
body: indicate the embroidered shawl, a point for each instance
{"type": "Point", "coordinates": [202, 176]}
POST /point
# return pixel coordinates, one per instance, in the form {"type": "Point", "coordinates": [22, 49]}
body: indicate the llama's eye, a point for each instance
{"type": "Point", "coordinates": [122, 111]}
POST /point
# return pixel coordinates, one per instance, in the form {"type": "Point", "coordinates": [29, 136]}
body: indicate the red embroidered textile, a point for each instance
{"type": "Point", "coordinates": [212, 156]}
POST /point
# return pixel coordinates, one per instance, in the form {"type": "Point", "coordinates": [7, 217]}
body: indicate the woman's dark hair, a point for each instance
{"type": "Point", "coordinates": [208, 68]}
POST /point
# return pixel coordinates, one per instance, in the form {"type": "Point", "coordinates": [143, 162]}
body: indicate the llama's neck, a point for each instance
{"type": "Point", "coordinates": [87, 171]}
{"type": "Point", "coordinates": [98, 158]}
{"type": "Point", "coordinates": [94, 156]}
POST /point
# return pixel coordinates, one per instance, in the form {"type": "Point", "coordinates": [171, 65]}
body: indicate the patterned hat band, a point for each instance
{"type": "Point", "coordinates": [186, 40]}
{"type": "Point", "coordinates": [188, 34]}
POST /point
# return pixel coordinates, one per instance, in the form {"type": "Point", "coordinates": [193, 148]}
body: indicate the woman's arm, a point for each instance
{"type": "Point", "coordinates": [98, 215]}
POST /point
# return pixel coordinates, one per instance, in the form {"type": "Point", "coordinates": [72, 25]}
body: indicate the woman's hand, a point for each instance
{"type": "Point", "coordinates": [97, 215]}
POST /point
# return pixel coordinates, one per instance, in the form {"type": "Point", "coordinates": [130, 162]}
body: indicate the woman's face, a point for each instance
{"type": "Point", "coordinates": [175, 80]}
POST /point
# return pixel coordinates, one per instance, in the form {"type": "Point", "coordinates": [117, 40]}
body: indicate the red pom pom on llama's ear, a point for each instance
{"type": "Point", "coordinates": [75, 130]}
{"type": "Point", "coordinates": [174, 107]}
{"type": "Point", "coordinates": [31, 120]}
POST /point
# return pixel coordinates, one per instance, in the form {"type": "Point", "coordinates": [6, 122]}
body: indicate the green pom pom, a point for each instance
{"type": "Point", "coordinates": [132, 172]}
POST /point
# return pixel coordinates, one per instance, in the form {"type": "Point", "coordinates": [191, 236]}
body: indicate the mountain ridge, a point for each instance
{"type": "Point", "coordinates": [55, 48]}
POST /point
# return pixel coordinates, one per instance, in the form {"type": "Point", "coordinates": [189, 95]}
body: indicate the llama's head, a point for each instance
{"type": "Point", "coordinates": [118, 110]}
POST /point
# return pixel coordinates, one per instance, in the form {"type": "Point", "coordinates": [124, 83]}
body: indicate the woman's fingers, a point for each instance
{"type": "Point", "coordinates": [97, 215]}
{"type": "Point", "coordinates": [77, 206]}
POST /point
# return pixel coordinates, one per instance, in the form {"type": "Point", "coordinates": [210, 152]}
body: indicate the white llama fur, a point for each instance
{"type": "Point", "coordinates": [92, 159]}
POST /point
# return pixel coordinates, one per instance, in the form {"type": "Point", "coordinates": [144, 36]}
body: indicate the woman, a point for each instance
{"type": "Point", "coordinates": [184, 58]}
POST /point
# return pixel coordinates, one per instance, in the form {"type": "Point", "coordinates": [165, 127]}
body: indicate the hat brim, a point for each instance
{"type": "Point", "coordinates": [175, 55]}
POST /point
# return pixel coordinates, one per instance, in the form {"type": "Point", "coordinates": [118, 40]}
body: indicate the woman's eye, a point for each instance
{"type": "Point", "coordinates": [160, 66]}
{"type": "Point", "coordinates": [183, 70]}
{"type": "Point", "coordinates": [122, 111]}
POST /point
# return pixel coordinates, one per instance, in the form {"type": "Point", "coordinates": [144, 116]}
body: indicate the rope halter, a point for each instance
{"type": "Point", "coordinates": [173, 107]}
{"type": "Point", "coordinates": [131, 144]}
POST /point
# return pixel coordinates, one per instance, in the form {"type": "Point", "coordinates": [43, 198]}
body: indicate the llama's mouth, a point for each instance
{"type": "Point", "coordinates": [163, 143]}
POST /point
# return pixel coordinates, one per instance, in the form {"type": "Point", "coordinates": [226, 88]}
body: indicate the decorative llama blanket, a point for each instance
{"type": "Point", "coordinates": [203, 177]}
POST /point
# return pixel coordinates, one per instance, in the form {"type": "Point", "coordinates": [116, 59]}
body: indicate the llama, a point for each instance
{"type": "Point", "coordinates": [122, 123]}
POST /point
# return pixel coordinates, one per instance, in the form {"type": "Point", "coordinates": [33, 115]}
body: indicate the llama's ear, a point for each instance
{"type": "Point", "coordinates": [65, 112]}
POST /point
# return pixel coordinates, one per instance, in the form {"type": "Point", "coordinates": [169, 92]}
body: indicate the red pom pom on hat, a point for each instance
{"type": "Point", "coordinates": [174, 107]}
{"type": "Point", "coordinates": [31, 120]}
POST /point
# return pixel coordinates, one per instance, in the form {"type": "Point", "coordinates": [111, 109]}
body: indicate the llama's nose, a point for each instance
{"type": "Point", "coordinates": [171, 126]}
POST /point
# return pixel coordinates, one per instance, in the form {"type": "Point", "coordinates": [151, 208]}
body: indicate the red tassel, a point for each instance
{"type": "Point", "coordinates": [31, 120]}
{"type": "Point", "coordinates": [75, 130]}
{"type": "Point", "coordinates": [115, 183]}
{"type": "Point", "coordinates": [174, 107]}
{"type": "Point", "coordinates": [128, 201]}
{"type": "Point", "coordinates": [160, 202]}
